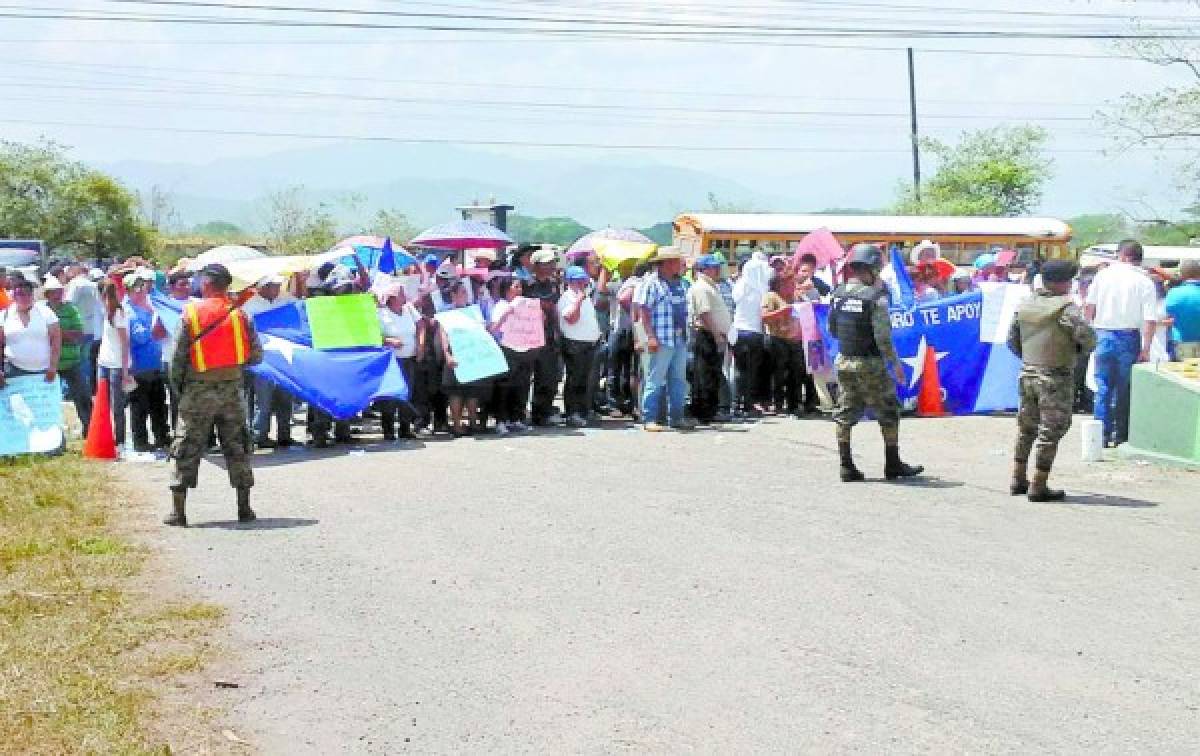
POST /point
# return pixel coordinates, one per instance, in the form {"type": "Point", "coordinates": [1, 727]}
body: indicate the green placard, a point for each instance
{"type": "Point", "coordinates": [349, 320]}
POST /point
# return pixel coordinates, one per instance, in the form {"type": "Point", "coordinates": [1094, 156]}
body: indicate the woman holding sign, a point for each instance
{"type": "Point", "coordinates": [514, 387]}
{"type": "Point", "coordinates": [30, 337]}
{"type": "Point", "coordinates": [462, 396]}
{"type": "Point", "coordinates": [398, 324]}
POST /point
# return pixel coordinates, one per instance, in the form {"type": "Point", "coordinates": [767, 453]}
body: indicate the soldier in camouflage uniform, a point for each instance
{"type": "Point", "coordinates": [1048, 334]}
{"type": "Point", "coordinates": [212, 396]}
{"type": "Point", "coordinates": [858, 319]}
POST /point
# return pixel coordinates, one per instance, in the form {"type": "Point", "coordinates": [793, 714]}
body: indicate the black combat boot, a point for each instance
{"type": "Point", "coordinates": [1020, 479]}
{"type": "Point", "coordinates": [245, 513]}
{"type": "Point", "coordinates": [850, 473]}
{"type": "Point", "coordinates": [178, 516]}
{"type": "Point", "coordinates": [894, 468]}
{"type": "Point", "coordinates": [1039, 491]}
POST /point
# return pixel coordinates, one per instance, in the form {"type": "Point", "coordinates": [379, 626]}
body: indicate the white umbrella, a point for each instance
{"type": "Point", "coordinates": [225, 254]}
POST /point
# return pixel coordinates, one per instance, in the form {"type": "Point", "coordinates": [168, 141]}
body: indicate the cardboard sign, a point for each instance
{"type": "Point", "coordinates": [523, 330]}
{"type": "Point", "coordinates": [345, 321]}
{"type": "Point", "coordinates": [31, 416]}
{"type": "Point", "coordinates": [476, 352]}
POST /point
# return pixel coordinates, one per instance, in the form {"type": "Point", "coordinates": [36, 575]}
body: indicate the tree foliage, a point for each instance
{"type": "Point", "coordinates": [46, 195]}
{"type": "Point", "coordinates": [294, 226]}
{"type": "Point", "coordinates": [393, 224]}
{"type": "Point", "coordinates": [219, 230]}
{"type": "Point", "coordinates": [1099, 228]}
{"type": "Point", "coordinates": [562, 231]}
{"type": "Point", "coordinates": [997, 171]}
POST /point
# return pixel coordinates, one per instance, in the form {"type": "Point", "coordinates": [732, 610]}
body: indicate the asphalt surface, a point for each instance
{"type": "Point", "coordinates": [714, 591]}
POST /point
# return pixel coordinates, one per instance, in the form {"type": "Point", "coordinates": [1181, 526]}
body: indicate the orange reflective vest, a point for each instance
{"type": "Point", "coordinates": [227, 344]}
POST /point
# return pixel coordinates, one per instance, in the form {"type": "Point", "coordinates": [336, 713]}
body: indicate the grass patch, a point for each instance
{"type": "Point", "coordinates": [81, 654]}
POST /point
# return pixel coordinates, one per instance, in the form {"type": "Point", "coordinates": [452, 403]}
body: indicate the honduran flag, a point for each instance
{"type": "Point", "coordinates": [967, 335]}
{"type": "Point", "coordinates": [342, 382]}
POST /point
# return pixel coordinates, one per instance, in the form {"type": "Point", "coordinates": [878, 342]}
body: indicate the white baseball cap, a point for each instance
{"type": "Point", "coordinates": [51, 283]}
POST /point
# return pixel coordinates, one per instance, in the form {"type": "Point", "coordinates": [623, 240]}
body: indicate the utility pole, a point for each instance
{"type": "Point", "coordinates": [916, 140]}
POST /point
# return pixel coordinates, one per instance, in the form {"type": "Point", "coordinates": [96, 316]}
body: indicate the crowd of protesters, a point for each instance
{"type": "Point", "coordinates": [668, 342]}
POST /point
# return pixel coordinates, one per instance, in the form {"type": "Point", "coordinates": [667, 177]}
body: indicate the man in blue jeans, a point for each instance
{"type": "Point", "coordinates": [662, 301]}
{"type": "Point", "coordinates": [1122, 305]}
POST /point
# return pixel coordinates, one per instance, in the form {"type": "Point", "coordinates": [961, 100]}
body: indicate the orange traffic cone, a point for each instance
{"type": "Point", "coordinates": [100, 443]}
{"type": "Point", "coordinates": [929, 398]}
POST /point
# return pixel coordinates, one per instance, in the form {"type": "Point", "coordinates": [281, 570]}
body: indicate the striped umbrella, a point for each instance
{"type": "Point", "coordinates": [463, 234]}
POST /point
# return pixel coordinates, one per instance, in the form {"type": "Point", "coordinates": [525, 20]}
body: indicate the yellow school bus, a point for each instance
{"type": "Point", "coordinates": [962, 239]}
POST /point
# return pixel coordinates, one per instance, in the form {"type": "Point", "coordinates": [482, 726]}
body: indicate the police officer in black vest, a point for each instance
{"type": "Point", "coordinates": [858, 319]}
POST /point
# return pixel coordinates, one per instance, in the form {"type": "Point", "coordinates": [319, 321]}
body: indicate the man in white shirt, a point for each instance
{"type": "Point", "coordinates": [1122, 306]}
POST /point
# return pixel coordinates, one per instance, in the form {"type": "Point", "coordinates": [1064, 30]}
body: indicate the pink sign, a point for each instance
{"type": "Point", "coordinates": [523, 329]}
{"type": "Point", "coordinates": [807, 320]}
{"type": "Point", "coordinates": [820, 244]}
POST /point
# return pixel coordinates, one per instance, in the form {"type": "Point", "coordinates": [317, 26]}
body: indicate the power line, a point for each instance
{"type": "Point", "coordinates": [625, 91]}
{"type": "Point", "coordinates": [693, 31]}
{"type": "Point", "coordinates": [585, 107]}
{"type": "Point", "coordinates": [607, 146]}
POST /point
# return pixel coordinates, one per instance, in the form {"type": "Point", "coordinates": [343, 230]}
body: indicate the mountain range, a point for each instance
{"type": "Point", "coordinates": [426, 182]}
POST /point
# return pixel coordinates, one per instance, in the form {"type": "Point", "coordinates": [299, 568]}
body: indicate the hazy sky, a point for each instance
{"type": "Point", "coordinates": [803, 106]}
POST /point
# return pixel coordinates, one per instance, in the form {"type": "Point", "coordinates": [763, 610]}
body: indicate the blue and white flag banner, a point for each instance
{"type": "Point", "coordinates": [967, 336]}
{"type": "Point", "coordinates": [342, 382]}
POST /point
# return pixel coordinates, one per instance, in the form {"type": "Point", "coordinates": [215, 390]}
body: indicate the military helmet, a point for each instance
{"type": "Point", "coordinates": [865, 254]}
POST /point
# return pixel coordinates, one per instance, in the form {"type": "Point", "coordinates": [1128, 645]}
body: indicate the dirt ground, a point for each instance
{"type": "Point", "coordinates": [716, 591]}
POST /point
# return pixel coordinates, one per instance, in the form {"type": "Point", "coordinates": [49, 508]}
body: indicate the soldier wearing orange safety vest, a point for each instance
{"type": "Point", "coordinates": [216, 343]}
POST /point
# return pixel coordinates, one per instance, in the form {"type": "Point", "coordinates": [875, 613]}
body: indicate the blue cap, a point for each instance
{"type": "Point", "coordinates": [575, 273]}
{"type": "Point", "coordinates": [708, 262]}
{"type": "Point", "coordinates": [430, 260]}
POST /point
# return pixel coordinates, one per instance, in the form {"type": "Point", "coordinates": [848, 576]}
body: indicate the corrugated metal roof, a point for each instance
{"type": "Point", "coordinates": [915, 226]}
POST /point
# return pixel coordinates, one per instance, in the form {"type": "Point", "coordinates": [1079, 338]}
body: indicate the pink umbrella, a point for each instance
{"type": "Point", "coordinates": [585, 245]}
{"type": "Point", "coordinates": [820, 244]}
{"type": "Point", "coordinates": [461, 235]}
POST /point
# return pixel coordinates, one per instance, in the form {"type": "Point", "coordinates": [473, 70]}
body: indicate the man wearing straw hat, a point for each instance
{"type": "Point", "coordinates": [663, 303]}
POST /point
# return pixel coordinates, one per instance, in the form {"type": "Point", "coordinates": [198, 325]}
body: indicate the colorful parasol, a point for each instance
{"type": "Point", "coordinates": [461, 235]}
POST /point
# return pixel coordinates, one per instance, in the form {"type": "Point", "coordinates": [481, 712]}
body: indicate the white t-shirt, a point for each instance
{"type": "Point", "coordinates": [587, 328]}
{"type": "Point", "coordinates": [172, 340]}
{"type": "Point", "coordinates": [109, 355]}
{"type": "Point", "coordinates": [85, 295]}
{"type": "Point", "coordinates": [28, 346]}
{"type": "Point", "coordinates": [747, 300]}
{"type": "Point", "coordinates": [403, 327]}
{"type": "Point", "coordinates": [498, 312]}
{"type": "Point", "coordinates": [1124, 297]}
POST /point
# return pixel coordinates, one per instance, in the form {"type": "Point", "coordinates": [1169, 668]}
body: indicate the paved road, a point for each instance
{"type": "Point", "coordinates": [714, 591]}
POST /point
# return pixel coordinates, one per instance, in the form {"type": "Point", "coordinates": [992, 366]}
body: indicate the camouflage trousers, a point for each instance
{"type": "Point", "coordinates": [1044, 416]}
{"type": "Point", "coordinates": [203, 405]}
{"type": "Point", "coordinates": [865, 382]}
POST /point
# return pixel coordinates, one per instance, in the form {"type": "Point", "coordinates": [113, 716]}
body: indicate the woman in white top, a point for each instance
{"type": "Point", "coordinates": [512, 389]}
{"type": "Point", "coordinates": [581, 333]}
{"type": "Point", "coordinates": [113, 360]}
{"type": "Point", "coordinates": [30, 336]}
{"type": "Point", "coordinates": [398, 323]}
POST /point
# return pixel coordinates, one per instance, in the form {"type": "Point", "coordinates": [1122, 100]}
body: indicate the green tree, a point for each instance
{"type": "Point", "coordinates": [45, 195]}
{"type": "Point", "coordinates": [528, 230]}
{"type": "Point", "coordinates": [219, 230]}
{"type": "Point", "coordinates": [660, 233]}
{"type": "Point", "coordinates": [1099, 228]}
{"type": "Point", "coordinates": [998, 171]}
{"type": "Point", "coordinates": [393, 224]}
{"type": "Point", "coordinates": [294, 226]}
